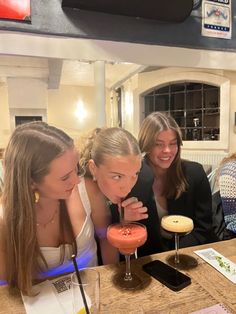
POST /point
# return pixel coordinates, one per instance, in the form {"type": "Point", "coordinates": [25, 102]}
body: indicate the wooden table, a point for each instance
{"type": "Point", "coordinates": [208, 287]}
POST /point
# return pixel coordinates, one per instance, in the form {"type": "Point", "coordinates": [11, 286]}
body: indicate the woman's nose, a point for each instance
{"type": "Point", "coordinates": [166, 148]}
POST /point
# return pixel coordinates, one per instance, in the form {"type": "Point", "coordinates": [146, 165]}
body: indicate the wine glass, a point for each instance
{"type": "Point", "coordinates": [127, 237]}
{"type": "Point", "coordinates": [179, 226]}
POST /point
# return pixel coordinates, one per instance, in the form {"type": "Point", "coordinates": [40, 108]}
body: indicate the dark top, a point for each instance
{"type": "Point", "coordinates": [195, 203]}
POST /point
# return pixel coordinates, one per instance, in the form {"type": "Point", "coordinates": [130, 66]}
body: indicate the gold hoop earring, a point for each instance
{"type": "Point", "coordinates": [36, 197]}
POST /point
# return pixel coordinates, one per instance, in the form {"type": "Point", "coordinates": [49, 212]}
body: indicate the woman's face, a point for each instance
{"type": "Point", "coordinates": [116, 176]}
{"type": "Point", "coordinates": [62, 177]}
{"type": "Point", "coordinates": [165, 149]}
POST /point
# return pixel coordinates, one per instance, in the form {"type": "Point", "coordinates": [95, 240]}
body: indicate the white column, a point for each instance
{"type": "Point", "coordinates": [100, 93]}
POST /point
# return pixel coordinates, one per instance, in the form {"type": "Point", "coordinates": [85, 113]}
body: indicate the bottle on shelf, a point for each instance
{"type": "Point", "coordinates": [196, 130]}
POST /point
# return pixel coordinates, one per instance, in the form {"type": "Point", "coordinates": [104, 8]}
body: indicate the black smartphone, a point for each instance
{"type": "Point", "coordinates": [169, 276]}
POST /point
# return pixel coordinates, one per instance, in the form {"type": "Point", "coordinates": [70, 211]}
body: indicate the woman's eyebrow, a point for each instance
{"type": "Point", "coordinates": [115, 172]}
{"type": "Point", "coordinates": [162, 141]}
{"type": "Point", "coordinates": [66, 174]}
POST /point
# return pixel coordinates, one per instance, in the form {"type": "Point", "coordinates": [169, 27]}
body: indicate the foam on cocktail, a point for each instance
{"type": "Point", "coordinates": [126, 237]}
{"type": "Point", "coordinates": [177, 223]}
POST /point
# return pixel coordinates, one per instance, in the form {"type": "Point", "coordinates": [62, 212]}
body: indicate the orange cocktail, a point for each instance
{"type": "Point", "coordinates": [127, 237]}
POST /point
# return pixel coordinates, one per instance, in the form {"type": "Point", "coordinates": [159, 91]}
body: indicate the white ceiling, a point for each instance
{"type": "Point", "coordinates": [64, 72]}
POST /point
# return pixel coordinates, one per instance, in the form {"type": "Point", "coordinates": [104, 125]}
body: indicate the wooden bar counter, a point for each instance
{"type": "Point", "coordinates": [208, 286]}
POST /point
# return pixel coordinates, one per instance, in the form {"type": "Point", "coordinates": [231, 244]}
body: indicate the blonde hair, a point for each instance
{"type": "Point", "coordinates": [31, 149]}
{"type": "Point", "coordinates": [106, 142]}
{"type": "Point", "coordinates": [152, 125]}
{"type": "Point", "coordinates": [227, 158]}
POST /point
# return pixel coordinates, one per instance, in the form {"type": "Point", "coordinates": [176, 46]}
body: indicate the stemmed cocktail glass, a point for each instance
{"type": "Point", "coordinates": [179, 226]}
{"type": "Point", "coordinates": [127, 237]}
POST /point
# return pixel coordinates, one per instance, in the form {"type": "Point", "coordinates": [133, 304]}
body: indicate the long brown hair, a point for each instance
{"type": "Point", "coordinates": [175, 183]}
{"type": "Point", "coordinates": [31, 149]}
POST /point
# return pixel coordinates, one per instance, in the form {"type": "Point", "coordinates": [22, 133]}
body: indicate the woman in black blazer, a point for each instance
{"type": "Point", "coordinates": [180, 187]}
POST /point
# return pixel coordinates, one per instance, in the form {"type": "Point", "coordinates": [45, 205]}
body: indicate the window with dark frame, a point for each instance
{"type": "Point", "coordinates": [195, 107]}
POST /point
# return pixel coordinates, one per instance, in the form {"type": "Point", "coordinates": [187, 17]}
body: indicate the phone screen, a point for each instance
{"type": "Point", "coordinates": [169, 276]}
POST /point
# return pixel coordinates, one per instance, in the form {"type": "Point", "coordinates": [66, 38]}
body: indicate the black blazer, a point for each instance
{"type": "Point", "coordinates": [195, 203]}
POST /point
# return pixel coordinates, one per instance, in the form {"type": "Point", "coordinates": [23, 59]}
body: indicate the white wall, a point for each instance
{"type": "Point", "coordinates": [27, 93]}
{"type": "Point", "coordinates": [62, 109]}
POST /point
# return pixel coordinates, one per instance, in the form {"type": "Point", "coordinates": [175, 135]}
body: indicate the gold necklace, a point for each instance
{"type": "Point", "coordinates": [50, 221]}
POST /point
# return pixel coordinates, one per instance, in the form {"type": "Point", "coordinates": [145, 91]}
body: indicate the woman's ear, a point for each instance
{"type": "Point", "coordinates": [33, 185]}
{"type": "Point", "coordinates": [92, 167]}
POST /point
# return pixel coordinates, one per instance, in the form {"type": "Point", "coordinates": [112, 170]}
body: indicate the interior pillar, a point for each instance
{"type": "Point", "coordinates": [100, 92]}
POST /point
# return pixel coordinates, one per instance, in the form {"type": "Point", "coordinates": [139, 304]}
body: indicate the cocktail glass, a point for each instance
{"type": "Point", "coordinates": [127, 237]}
{"type": "Point", "coordinates": [179, 226]}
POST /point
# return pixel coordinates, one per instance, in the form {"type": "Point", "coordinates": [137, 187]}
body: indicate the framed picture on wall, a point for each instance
{"type": "Point", "coordinates": [15, 10]}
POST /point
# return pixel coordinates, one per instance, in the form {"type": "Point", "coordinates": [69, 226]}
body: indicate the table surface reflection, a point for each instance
{"type": "Point", "coordinates": [208, 286]}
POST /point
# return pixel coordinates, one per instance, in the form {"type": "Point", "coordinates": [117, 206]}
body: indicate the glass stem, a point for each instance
{"type": "Point", "coordinates": [176, 248]}
{"type": "Point", "coordinates": [128, 276]}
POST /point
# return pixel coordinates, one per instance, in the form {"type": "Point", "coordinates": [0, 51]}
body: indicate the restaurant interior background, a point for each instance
{"type": "Point", "coordinates": [78, 70]}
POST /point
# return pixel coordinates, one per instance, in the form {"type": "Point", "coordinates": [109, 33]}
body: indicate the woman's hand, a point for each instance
{"type": "Point", "coordinates": [134, 209]}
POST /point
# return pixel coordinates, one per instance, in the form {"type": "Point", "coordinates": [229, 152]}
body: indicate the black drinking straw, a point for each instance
{"type": "Point", "coordinates": [122, 213]}
{"type": "Point", "coordinates": [80, 284]}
